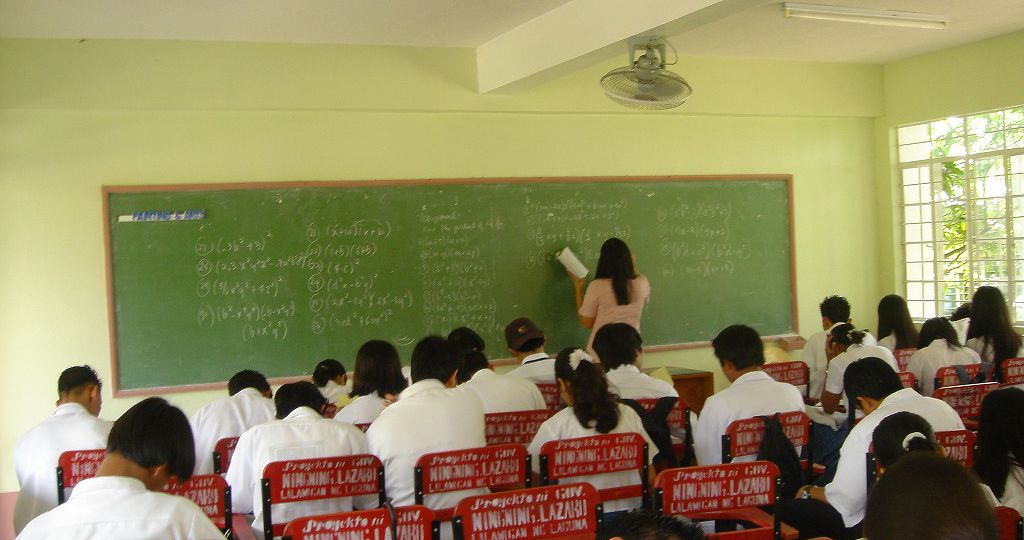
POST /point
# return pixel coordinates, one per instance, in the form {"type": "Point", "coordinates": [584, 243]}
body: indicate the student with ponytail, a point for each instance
{"type": "Point", "coordinates": [591, 410]}
{"type": "Point", "coordinates": [330, 378]}
{"type": "Point", "coordinates": [900, 434]}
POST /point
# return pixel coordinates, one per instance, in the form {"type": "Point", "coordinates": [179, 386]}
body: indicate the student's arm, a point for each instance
{"type": "Point", "coordinates": [830, 401]}
{"type": "Point", "coordinates": [707, 435]}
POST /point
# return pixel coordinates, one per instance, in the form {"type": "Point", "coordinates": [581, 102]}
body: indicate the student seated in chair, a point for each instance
{"type": "Point", "coordinates": [526, 342]}
{"type": "Point", "coordinates": [497, 393]}
{"type": "Point", "coordinates": [620, 349]}
{"type": "Point", "coordinates": [72, 426]}
{"type": "Point", "coordinates": [150, 445]}
{"type": "Point", "coordinates": [834, 310]}
{"type": "Point", "coordinates": [248, 404]}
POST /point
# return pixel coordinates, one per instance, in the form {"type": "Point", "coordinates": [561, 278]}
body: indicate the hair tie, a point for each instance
{"type": "Point", "coordinates": [578, 356]}
{"type": "Point", "coordinates": [910, 437]}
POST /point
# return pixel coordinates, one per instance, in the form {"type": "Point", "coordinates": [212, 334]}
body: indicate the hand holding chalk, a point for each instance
{"type": "Point", "coordinates": [571, 263]}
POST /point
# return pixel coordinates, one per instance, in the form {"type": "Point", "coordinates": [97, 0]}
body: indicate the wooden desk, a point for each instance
{"type": "Point", "coordinates": [693, 385]}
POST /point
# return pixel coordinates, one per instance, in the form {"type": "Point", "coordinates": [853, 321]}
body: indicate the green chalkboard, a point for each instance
{"type": "Point", "coordinates": [207, 280]}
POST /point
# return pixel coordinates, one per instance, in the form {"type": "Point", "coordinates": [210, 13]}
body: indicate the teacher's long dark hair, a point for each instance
{"type": "Point", "coordinates": [616, 264]}
{"type": "Point", "coordinates": [592, 403]}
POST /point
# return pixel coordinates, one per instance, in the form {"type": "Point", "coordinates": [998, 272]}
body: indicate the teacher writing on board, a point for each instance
{"type": "Point", "coordinates": [617, 294]}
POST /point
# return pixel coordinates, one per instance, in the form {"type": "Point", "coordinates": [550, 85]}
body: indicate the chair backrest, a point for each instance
{"type": "Point", "coordinates": [732, 491]}
{"type": "Point", "coordinates": [552, 396]}
{"type": "Point", "coordinates": [1013, 371]}
{"type": "Point", "coordinates": [903, 357]}
{"type": "Point", "coordinates": [416, 522]}
{"type": "Point", "coordinates": [316, 479]}
{"type": "Point", "coordinates": [965, 398]}
{"type": "Point", "coordinates": [908, 379]}
{"type": "Point", "coordinates": [74, 466]}
{"type": "Point", "coordinates": [959, 445]}
{"type": "Point", "coordinates": [795, 373]}
{"type": "Point", "coordinates": [947, 376]}
{"type": "Point", "coordinates": [678, 419]}
{"type": "Point", "coordinates": [222, 452]}
{"type": "Point", "coordinates": [1011, 527]}
{"type": "Point", "coordinates": [212, 494]}
{"type": "Point", "coordinates": [362, 525]}
{"type": "Point", "coordinates": [568, 511]}
{"type": "Point", "coordinates": [597, 454]}
{"type": "Point", "coordinates": [743, 437]}
{"type": "Point", "coordinates": [517, 427]}
{"type": "Point", "coordinates": [488, 466]}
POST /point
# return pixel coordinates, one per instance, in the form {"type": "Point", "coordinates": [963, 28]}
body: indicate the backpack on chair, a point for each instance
{"type": "Point", "coordinates": [778, 449]}
{"type": "Point", "coordinates": [655, 424]}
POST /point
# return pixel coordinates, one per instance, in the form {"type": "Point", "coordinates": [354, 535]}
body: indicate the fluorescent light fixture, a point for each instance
{"type": "Point", "coordinates": [883, 17]}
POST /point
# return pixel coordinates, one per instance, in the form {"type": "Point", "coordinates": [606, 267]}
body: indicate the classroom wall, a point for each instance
{"type": "Point", "coordinates": [972, 78]}
{"type": "Point", "coordinates": [78, 115]}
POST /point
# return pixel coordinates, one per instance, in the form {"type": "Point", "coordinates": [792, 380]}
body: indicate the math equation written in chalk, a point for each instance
{"type": "Point", "coordinates": [162, 215]}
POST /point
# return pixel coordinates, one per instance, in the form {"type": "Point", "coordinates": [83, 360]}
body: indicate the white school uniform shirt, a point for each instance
{"type": "Point", "coordinates": [629, 383]}
{"type": "Point", "coordinates": [538, 367]}
{"type": "Point", "coordinates": [927, 361]}
{"type": "Point", "coordinates": [71, 427]}
{"type": "Point", "coordinates": [227, 417]}
{"type": "Point", "coordinates": [817, 361]}
{"type": "Point", "coordinates": [362, 410]}
{"type": "Point", "coordinates": [121, 508]}
{"type": "Point", "coordinates": [837, 366]}
{"type": "Point", "coordinates": [564, 425]}
{"type": "Point", "coordinates": [752, 394]}
{"type": "Point", "coordinates": [504, 393]}
{"type": "Point", "coordinates": [1013, 488]}
{"type": "Point", "coordinates": [961, 326]}
{"type": "Point", "coordinates": [977, 344]}
{"type": "Point", "coordinates": [847, 492]}
{"type": "Point", "coordinates": [427, 418]}
{"type": "Point", "coordinates": [303, 434]}
{"type": "Point", "coordinates": [889, 342]}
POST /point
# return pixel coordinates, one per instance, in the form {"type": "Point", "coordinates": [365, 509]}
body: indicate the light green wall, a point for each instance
{"type": "Point", "coordinates": [75, 116]}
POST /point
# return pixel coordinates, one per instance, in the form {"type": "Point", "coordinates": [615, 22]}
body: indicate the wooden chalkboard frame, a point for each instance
{"type": "Point", "coordinates": [107, 191]}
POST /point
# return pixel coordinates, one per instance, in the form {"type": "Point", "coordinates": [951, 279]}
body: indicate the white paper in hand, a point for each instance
{"type": "Point", "coordinates": [572, 263]}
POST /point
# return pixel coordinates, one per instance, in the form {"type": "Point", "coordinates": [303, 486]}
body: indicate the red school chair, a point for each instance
{"type": "Point", "coordinates": [1013, 371]}
{"type": "Point", "coordinates": [734, 492]}
{"type": "Point", "coordinates": [564, 512]}
{"type": "Point", "coordinates": [416, 522]}
{"type": "Point", "coordinates": [795, 373]}
{"type": "Point", "coordinates": [222, 452]}
{"type": "Point", "coordinates": [1010, 524]}
{"type": "Point", "coordinates": [516, 427]}
{"type": "Point", "coordinates": [678, 420]}
{"type": "Point", "coordinates": [743, 438]}
{"type": "Point", "coordinates": [903, 357]}
{"type": "Point", "coordinates": [472, 468]}
{"type": "Point", "coordinates": [74, 466]}
{"type": "Point", "coordinates": [947, 376]}
{"type": "Point", "coordinates": [908, 379]}
{"type": "Point", "coordinates": [966, 399]}
{"type": "Point", "coordinates": [552, 396]}
{"type": "Point", "coordinates": [362, 525]}
{"type": "Point", "coordinates": [959, 445]}
{"type": "Point", "coordinates": [212, 495]}
{"type": "Point", "coordinates": [597, 454]}
{"type": "Point", "coordinates": [318, 479]}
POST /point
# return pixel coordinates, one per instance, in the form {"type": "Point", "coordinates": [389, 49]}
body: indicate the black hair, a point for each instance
{"type": "Point", "coordinates": [592, 402]}
{"type": "Point", "coordinates": [327, 370]}
{"type": "Point", "coordinates": [616, 263]}
{"type": "Point", "coordinates": [472, 361]}
{"type": "Point", "coordinates": [465, 339]}
{"type": "Point", "coordinates": [298, 394]}
{"type": "Point", "coordinates": [247, 378]}
{"type": "Point", "coordinates": [378, 369]}
{"type": "Point", "coordinates": [869, 377]}
{"type": "Point", "coordinates": [894, 319]}
{"type": "Point", "coordinates": [925, 495]}
{"type": "Point", "coordinates": [892, 431]}
{"type": "Point", "coordinates": [835, 308]}
{"type": "Point", "coordinates": [616, 344]}
{"type": "Point", "coordinates": [1000, 437]}
{"type": "Point", "coordinates": [434, 358]}
{"type": "Point", "coordinates": [741, 345]}
{"type": "Point", "coordinates": [75, 378]}
{"type": "Point", "coordinates": [154, 432]}
{"type": "Point", "coordinates": [962, 312]}
{"type": "Point", "coordinates": [845, 334]}
{"type": "Point", "coordinates": [643, 524]}
{"type": "Point", "coordinates": [991, 322]}
{"type": "Point", "coordinates": [531, 345]}
{"type": "Point", "coordinates": [938, 328]}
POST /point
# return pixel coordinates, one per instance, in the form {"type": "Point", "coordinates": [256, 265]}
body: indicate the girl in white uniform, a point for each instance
{"type": "Point", "coordinates": [330, 378]}
{"type": "Point", "coordinates": [591, 410]}
{"type": "Point", "coordinates": [376, 381]}
{"type": "Point", "coordinates": [997, 460]}
{"type": "Point", "coordinates": [895, 327]}
{"type": "Point", "coordinates": [991, 332]}
{"type": "Point", "coordinates": [937, 347]}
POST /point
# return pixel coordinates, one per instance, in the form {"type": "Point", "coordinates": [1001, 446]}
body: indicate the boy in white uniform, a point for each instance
{"type": "Point", "coordinates": [248, 404]}
{"type": "Point", "coordinates": [497, 393]}
{"type": "Point", "coordinates": [73, 426]}
{"type": "Point", "coordinates": [753, 392]}
{"type": "Point", "coordinates": [429, 416]}
{"type": "Point", "coordinates": [837, 509]}
{"type": "Point", "coordinates": [526, 342]}
{"type": "Point", "coordinates": [300, 433]}
{"type": "Point", "coordinates": [149, 445]}
{"type": "Point", "coordinates": [619, 347]}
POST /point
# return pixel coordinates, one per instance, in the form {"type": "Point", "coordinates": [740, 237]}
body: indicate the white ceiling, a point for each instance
{"type": "Point", "coordinates": [520, 41]}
